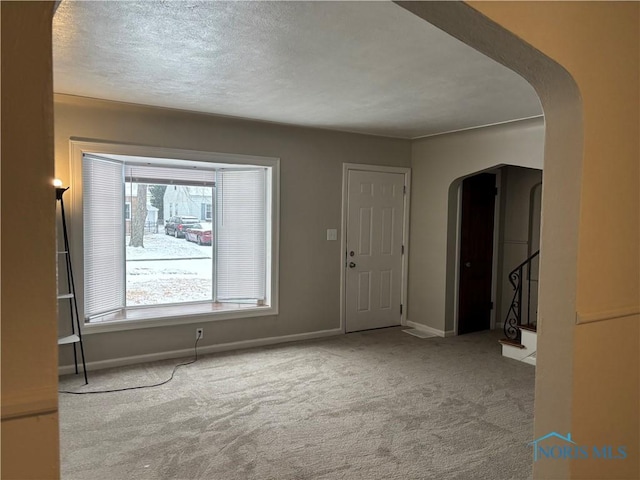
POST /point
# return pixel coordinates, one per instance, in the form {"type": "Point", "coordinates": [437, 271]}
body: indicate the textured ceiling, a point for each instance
{"type": "Point", "coordinates": [369, 67]}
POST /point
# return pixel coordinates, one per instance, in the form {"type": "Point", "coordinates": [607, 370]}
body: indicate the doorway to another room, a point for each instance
{"type": "Point", "coordinates": [498, 230]}
{"type": "Point", "coordinates": [476, 253]}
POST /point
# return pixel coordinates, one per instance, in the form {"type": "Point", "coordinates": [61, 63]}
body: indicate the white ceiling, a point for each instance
{"type": "Point", "coordinates": [369, 67]}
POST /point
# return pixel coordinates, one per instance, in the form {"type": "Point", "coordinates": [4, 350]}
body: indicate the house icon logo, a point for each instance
{"type": "Point", "coordinates": [554, 446]}
{"type": "Point", "coordinates": [535, 443]}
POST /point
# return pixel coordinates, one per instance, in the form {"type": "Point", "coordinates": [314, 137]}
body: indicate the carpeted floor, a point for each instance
{"type": "Point", "coordinates": [372, 405]}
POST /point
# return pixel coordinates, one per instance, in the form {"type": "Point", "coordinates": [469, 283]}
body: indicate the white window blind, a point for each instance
{"type": "Point", "coordinates": [103, 218]}
{"type": "Point", "coordinates": [169, 175]}
{"type": "Point", "coordinates": [241, 234]}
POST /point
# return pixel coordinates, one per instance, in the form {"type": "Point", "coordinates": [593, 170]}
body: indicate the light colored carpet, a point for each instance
{"type": "Point", "coordinates": [371, 405]}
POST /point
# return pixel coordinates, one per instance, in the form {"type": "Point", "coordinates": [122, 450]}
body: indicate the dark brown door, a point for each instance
{"type": "Point", "coordinates": [476, 253]}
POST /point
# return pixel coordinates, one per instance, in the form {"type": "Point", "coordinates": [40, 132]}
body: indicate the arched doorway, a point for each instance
{"type": "Point", "coordinates": [563, 159]}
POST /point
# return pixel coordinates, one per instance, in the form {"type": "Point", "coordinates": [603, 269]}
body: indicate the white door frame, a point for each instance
{"type": "Point", "coordinates": [346, 167]}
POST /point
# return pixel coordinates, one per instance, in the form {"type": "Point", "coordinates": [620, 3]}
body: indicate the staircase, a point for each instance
{"type": "Point", "coordinates": [523, 350]}
{"type": "Point", "coordinates": [520, 342]}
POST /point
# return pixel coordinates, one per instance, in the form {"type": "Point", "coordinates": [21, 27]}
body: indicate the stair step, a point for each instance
{"type": "Point", "coordinates": [69, 339]}
{"type": "Point", "coordinates": [511, 343]}
{"type": "Point", "coordinates": [528, 328]}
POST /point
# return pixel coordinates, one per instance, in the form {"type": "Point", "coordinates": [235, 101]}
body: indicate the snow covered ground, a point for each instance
{"type": "Point", "coordinates": [168, 270]}
{"type": "Point", "coordinates": [159, 245]}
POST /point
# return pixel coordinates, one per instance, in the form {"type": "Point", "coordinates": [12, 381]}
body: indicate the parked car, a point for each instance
{"type": "Point", "coordinates": [177, 225]}
{"type": "Point", "coordinates": [199, 233]}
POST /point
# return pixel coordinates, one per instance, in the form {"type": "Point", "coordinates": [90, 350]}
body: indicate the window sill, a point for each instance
{"type": "Point", "coordinates": [136, 318]}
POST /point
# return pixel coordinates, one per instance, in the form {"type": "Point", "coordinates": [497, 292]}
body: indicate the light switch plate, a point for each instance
{"type": "Point", "coordinates": [332, 234]}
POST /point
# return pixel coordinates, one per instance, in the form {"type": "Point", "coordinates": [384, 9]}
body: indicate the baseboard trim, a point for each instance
{"type": "Point", "coordinates": [434, 331]}
{"type": "Point", "coordinates": [222, 347]}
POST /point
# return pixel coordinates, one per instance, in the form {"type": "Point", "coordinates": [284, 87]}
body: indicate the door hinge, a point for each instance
{"type": "Point", "coordinates": [495, 191]}
{"type": "Point", "coordinates": [402, 250]}
{"type": "Point", "coordinates": [400, 309]}
{"type": "Point", "coordinates": [404, 189]}
{"type": "Point", "coordinates": [490, 305]}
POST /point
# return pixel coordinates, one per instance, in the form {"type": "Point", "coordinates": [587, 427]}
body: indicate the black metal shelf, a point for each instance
{"type": "Point", "coordinates": [75, 338]}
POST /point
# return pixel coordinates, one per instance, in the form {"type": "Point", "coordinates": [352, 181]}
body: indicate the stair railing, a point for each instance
{"type": "Point", "coordinates": [514, 315]}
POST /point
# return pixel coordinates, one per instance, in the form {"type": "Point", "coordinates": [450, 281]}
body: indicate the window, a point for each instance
{"type": "Point", "coordinates": [206, 209]}
{"type": "Point", "coordinates": [216, 257]}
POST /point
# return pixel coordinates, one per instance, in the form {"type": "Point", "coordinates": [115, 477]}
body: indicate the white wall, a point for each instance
{"type": "Point", "coordinates": [311, 188]}
{"type": "Point", "coordinates": [439, 164]}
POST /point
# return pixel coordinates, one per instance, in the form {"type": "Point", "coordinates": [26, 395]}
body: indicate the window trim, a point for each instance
{"type": "Point", "coordinates": [78, 147]}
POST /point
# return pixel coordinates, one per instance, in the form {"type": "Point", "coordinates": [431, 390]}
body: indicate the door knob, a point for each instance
{"type": "Point", "coordinates": [352, 265]}
{"type": "Point", "coordinates": [468, 264]}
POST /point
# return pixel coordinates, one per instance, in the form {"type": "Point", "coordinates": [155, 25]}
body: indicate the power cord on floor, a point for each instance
{"type": "Point", "coordinates": [191, 362]}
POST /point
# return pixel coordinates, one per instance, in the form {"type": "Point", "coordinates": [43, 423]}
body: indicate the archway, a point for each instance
{"type": "Point", "coordinates": [562, 107]}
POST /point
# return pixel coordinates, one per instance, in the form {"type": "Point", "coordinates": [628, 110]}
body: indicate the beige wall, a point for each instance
{"type": "Point", "coordinates": [311, 189]}
{"type": "Point", "coordinates": [29, 350]}
{"type": "Point", "coordinates": [598, 43]}
{"type": "Point", "coordinates": [438, 166]}
{"type": "Point", "coordinates": [514, 243]}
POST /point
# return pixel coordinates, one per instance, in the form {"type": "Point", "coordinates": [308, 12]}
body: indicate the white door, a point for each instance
{"type": "Point", "coordinates": [375, 217]}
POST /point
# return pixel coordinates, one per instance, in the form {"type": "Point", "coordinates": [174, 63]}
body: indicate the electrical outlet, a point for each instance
{"type": "Point", "coordinates": [199, 333]}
